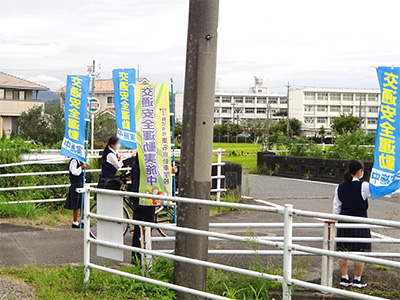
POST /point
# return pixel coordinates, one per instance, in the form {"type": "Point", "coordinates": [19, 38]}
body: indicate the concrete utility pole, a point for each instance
{"type": "Point", "coordinates": [197, 138]}
{"type": "Point", "coordinates": [288, 119]}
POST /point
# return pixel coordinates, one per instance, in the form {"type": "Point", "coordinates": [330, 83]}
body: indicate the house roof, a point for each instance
{"type": "Point", "coordinates": [104, 85]}
{"type": "Point", "coordinates": [110, 111]}
{"type": "Point", "coordinates": [11, 81]}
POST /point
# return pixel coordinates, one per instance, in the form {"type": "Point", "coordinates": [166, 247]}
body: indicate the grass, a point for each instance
{"type": "Point", "coordinates": [247, 148]}
{"type": "Point", "coordinates": [66, 283]}
{"type": "Point", "coordinates": [241, 153]}
{"type": "Point", "coordinates": [227, 197]}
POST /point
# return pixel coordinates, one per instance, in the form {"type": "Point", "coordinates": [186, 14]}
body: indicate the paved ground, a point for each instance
{"type": "Point", "coordinates": [20, 245]}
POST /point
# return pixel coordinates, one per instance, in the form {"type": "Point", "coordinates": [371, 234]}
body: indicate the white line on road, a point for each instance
{"type": "Point", "coordinates": [308, 181]}
{"type": "Point", "coordinates": [268, 203]}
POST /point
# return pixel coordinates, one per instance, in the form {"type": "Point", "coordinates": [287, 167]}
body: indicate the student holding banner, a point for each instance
{"type": "Point", "coordinates": [351, 199]}
{"type": "Point", "coordinates": [111, 162]}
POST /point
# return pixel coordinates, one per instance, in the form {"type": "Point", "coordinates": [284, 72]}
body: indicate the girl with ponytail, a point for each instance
{"type": "Point", "coordinates": [111, 162]}
{"type": "Point", "coordinates": [351, 199]}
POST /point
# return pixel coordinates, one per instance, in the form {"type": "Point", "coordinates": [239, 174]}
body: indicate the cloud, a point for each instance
{"type": "Point", "coordinates": [325, 43]}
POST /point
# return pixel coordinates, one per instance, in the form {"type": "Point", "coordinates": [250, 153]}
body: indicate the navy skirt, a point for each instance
{"type": "Point", "coordinates": [74, 199]}
{"type": "Point", "coordinates": [353, 233]}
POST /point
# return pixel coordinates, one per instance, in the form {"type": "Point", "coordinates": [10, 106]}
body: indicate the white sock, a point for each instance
{"type": "Point", "coordinates": [75, 223]}
{"type": "Point", "coordinates": [357, 278]}
{"type": "Point", "coordinates": [345, 277]}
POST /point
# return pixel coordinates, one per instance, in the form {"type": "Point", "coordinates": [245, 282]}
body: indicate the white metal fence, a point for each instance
{"type": "Point", "coordinates": [36, 158]}
{"type": "Point", "coordinates": [286, 244]}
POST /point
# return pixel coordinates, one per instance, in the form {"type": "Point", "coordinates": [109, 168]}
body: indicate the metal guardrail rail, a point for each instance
{"type": "Point", "coordinates": [287, 245]}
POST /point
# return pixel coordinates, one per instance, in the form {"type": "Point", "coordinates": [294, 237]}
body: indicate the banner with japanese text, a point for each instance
{"type": "Point", "coordinates": [124, 82]}
{"type": "Point", "coordinates": [385, 175]}
{"type": "Point", "coordinates": [76, 100]}
{"type": "Point", "coordinates": [154, 140]}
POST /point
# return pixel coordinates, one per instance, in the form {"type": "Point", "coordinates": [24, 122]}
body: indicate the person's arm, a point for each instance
{"type": "Point", "coordinates": [123, 156]}
{"type": "Point", "coordinates": [113, 160]}
{"type": "Point", "coordinates": [365, 193]}
{"type": "Point", "coordinates": [73, 168]}
{"type": "Point", "coordinates": [337, 204]}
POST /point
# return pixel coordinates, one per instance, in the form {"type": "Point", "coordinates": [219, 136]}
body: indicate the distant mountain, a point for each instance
{"type": "Point", "coordinates": [48, 96]}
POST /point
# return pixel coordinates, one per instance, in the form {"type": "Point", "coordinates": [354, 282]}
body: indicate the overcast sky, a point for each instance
{"type": "Point", "coordinates": [309, 43]}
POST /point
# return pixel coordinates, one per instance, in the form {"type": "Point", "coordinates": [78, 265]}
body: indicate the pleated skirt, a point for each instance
{"type": "Point", "coordinates": [353, 233]}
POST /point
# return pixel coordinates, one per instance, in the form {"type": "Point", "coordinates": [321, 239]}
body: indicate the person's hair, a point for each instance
{"type": "Point", "coordinates": [111, 141]}
{"type": "Point", "coordinates": [354, 166]}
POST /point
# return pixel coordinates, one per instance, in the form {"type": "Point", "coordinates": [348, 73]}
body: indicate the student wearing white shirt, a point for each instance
{"type": "Point", "coordinates": [112, 161]}
{"type": "Point", "coordinates": [351, 199]}
{"type": "Point", "coordinates": [74, 199]}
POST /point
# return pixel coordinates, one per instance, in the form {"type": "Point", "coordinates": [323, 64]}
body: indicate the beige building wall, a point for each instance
{"type": "Point", "coordinates": [11, 109]}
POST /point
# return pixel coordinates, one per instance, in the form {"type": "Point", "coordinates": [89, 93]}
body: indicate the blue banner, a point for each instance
{"type": "Point", "coordinates": [124, 82]}
{"type": "Point", "coordinates": [76, 99]}
{"type": "Point", "coordinates": [385, 175]}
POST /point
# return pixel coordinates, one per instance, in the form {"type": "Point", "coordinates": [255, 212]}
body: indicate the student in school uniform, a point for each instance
{"type": "Point", "coordinates": [112, 161]}
{"type": "Point", "coordinates": [74, 199]}
{"type": "Point", "coordinates": [351, 199]}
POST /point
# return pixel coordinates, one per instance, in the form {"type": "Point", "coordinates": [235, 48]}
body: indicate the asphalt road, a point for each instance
{"type": "Point", "coordinates": [21, 245]}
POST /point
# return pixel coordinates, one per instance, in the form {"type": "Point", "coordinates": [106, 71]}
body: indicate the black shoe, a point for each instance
{"type": "Point", "coordinates": [360, 284]}
{"type": "Point", "coordinates": [77, 226]}
{"type": "Point", "coordinates": [345, 282]}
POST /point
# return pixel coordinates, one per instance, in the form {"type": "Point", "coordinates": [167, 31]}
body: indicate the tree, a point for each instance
{"type": "Point", "coordinates": [345, 123]}
{"type": "Point", "coordinates": [322, 133]}
{"type": "Point", "coordinates": [258, 127]}
{"type": "Point", "coordinates": [104, 128]}
{"type": "Point", "coordinates": [295, 127]}
{"type": "Point", "coordinates": [46, 127]}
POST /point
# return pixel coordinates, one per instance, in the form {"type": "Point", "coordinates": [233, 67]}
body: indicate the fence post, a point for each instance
{"type": "Point", "coordinates": [332, 235]}
{"type": "Point", "coordinates": [145, 242]}
{"type": "Point", "coordinates": [86, 232]}
{"type": "Point", "coordinates": [327, 261]}
{"type": "Point", "coordinates": [219, 174]}
{"type": "Point", "coordinates": [287, 252]}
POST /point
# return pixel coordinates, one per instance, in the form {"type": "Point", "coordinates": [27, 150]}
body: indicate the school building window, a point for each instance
{"type": "Point", "coordinates": [226, 99]}
{"type": "Point", "coordinates": [322, 108]}
{"type": "Point", "coordinates": [347, 109]}
{"type": "Point", "coordinates": [334, 108]}
{"type": "Point", "coordinates": [261, 100]}
{"type": "Point", "coordinates": [321, 120]}
{"type": "Point", "coordinates": [322, 96]}
{"type": "Point", "coordinates": [283, 101]}
{"type": "Point", "coordinates": [309, 96]}
{"type": "Point", "coordinates": [273, 100]}
{"type": "Point", "coordinates": [238, 99]}
{"type": "Point", "coordinates": [335, 97]}
{"type": "Point", "coordinates": [225, 110]}
{"type": "Point", "coordinates": [249, 100]}
{"type": "Point", "coordinates": [261, 110]}
{"type": "Point", "coordinates": [372, 97]}
{"type": "Point", "coordinates": [372, 120]}
{"type": "Point", "coordinates": [249, 110]}
{"type": "Point", "coordinates": [373, 109]}
{"type": "Point", "coordinates": [360, 97]}
{"type": "Point", "coordinates": [347, 97]}
{"type": "Point", "coordinates": [308, 120]}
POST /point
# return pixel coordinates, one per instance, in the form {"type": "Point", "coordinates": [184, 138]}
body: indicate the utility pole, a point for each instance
{"type": "Point", "coordinates": [197, 139]}
{"type": "Point", "coordinates": [288, 119]}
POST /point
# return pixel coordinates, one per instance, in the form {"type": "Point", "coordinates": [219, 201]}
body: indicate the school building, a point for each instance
{"type": "Point", "coordinates": [314, 107]}
{"type": "Point", "coordinates": [16, 96]}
